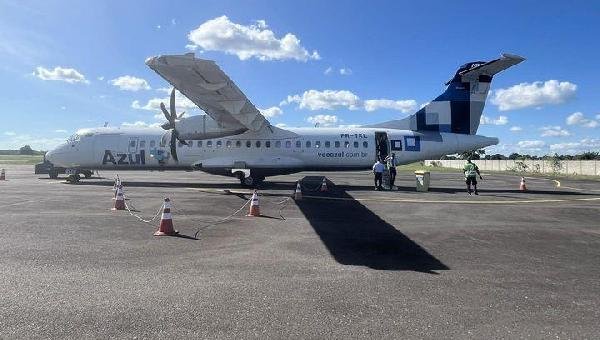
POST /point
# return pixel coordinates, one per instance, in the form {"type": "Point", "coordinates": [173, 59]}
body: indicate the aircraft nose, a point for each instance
{"type": "Point", "coordinates": [50, 156]}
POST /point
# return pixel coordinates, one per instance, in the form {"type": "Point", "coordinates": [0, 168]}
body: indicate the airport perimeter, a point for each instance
{"type": "Point", "coordinates": [350, 263]}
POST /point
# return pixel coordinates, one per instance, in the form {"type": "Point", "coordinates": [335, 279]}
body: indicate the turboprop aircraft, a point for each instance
{"type": "Point", "coordinates": [234, 139]}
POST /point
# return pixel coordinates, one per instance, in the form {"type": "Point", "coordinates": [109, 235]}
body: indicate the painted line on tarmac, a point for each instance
{"type": "Point", "coordinates": [409, 200]}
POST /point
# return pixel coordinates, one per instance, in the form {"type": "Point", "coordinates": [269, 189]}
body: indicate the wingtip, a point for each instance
{"type": "Point", "coordinates": [515, 57]}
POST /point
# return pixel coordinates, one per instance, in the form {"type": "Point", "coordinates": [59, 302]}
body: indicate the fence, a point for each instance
{"type": "Point", "coordinates": [591, 168]}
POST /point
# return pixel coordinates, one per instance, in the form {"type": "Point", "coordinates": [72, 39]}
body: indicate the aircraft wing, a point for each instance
{"type": "Point", "coordinates": [205, 84]}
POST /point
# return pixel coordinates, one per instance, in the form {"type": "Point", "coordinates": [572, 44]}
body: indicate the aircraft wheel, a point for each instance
{"type": "Point", "coordinates": [73, 178]}
{"type": "Point", "coordinates": [87, 173]}
{"type": "Point", "coordinates": [248, 181]}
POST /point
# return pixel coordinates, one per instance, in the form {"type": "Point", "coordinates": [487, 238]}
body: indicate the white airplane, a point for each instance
{"type": "Point", "coordinates": [234, 139]}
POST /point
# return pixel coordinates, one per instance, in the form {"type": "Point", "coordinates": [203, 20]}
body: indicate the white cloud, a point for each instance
{"type": "Point", "coordinates": [158, 27]}
{"type": "Point", "coordinates": [403, 106]}
{"type": "Point", "coordinates": [251, 41]}
{"type": "Point", "coordinates": [140, 124]}
{"type": "Point", "coordinates": [101, 78]}
{"type": "Point", "coordinates": [331, 99]}
{"type": "Point", "coordinates": [191, 47]}
{"type": "Point", "coordinates": [10, 133]}
{"type": "Point", "coordinates": [130, 83]}
{"type": "Point", "coordinates": [516, 129]}
{"type": "Point", "coordinates": [323, 120]}
{"type": "Point", "coordinates": [325, 100]}
{"type": "Point", "coordinates": [485, 120]}
{"type": "Point", "coordinates": [328, 71]}
{"type": "Point", "coordinates": [16, 141]}
{"type": "Point", "coordinates": [583, 145]}
{"type": "Point", "coordinates": [345, 71]}
{"type": "Point", "coordinates": [173, 22]}
{"type": "Point", "coordinates": [532, 145]}
{"type": "Point", "coordinates": [281, 125]}
{"type": "Point", "coordinates": [271, 112]}
{"type": "Point", "coordinates": [533, 94]}
{"type": "Point", "coordinates": [181, 104]}
{"type": "Point", "coordinates": [60, 131]}
{"type": "Point", "coordinates": [69, 75]}
{"type": "Point", "coordinates": [554, 131]}
{"type": "Point", "coordinates": [578, 118]}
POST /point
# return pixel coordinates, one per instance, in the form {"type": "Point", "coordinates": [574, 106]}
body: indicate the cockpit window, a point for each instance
{"type": "Point", "coordinates": [73, 139]}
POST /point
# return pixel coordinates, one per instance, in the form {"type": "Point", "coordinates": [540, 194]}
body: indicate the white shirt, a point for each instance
{"type": "Point", "coordinates": [378, 167]}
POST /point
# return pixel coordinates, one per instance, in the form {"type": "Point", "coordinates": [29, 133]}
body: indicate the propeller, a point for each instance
{"type": "Point", "coordinates": [171, 116]}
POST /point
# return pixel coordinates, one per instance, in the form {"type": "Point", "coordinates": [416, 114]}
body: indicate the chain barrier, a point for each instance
{"type": "Point", "coordinates": [131, 208]}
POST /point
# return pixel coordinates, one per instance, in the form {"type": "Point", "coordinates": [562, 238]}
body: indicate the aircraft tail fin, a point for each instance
{"type": "Point", "coordinates": [459, 108]}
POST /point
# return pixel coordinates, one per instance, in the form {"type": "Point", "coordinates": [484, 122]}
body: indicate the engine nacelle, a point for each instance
{"type": "Point", "coordinates": [203, 127]}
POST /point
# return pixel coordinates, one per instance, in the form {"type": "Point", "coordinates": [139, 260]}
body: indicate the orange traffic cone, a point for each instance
{"type": "Point", "coordinates": [116, 185]}
{"type": "Point", "coordinates": [119, 200]}
{"type": "Point", "coordinates": [2, 175]}
{"type": "Point", "coordinates": [522, 186]}
{"type": "Point", "coordinates": [324, 185]}
{"type": "Point", "coordinates": [298, 192]}
{"type": "Point", "coordinates": [254, 206]}
{"type": "Point", "coordinates": [166, 221]}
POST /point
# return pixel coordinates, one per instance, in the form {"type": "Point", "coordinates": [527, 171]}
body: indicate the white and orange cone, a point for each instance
{"type": "Point", "coordinates": [298, 192]}
{"type": "Point", "coordinates": [116, 185]}
{"type": "Point", "coordinates": [2, 175]}
{"type": "Point", "coordinates": [166, 221]}
{"type": "Point", "coordinates": [254, 205]}
{"type": "Point", "coordinates": [119, 200]}
{"type": "Point", "coordinates": [324, 185]}
{"type": "Point", "coordinates": [522, 186]}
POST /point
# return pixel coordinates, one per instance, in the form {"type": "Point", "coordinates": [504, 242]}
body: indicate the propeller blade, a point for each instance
{"type": "Point", "coordinates": [173, 146]}
{"type": "Point", "coordinates": [165, 112]}
{"type": "Point", "coordinates": [181, 115]}
{"type": "Point", "coordinates": [172, 106]}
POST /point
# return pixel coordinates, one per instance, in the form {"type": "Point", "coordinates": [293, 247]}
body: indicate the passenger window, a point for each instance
{"type": "Point", "coordinates": [209, 144]}
{"type": "Point", "coordinates": [238, 144]}
{"type": "Point", "coordinates": [327, 144]}
{"type": "Point", "coordinates": [288, 144]}
{"type": "Point", "coordinates": [318, 144]}
{"type": "Point", "coordinates": [365, 144]}
{"type": "Point", "coordinates": [346, 144]}
{"type": "Point", "coordinates": [248, 144]}
{"type": "Point", "coordinates": [132, 144]}
{"type": "Point", "coordinates": [228, 144]}
{"type": "Point", "coordinates": [152, 143]}
{"type": "Point", "coordinates": [268, 144]}
{"type": "Point", "coordinates": [298, 144]}
{"type": "Point", "coordinates": [258, 144]}
{"type": "Point", "coordinates": [307, 144]}
{"type": "Point", "coordinates": [143, 144]}
{"type": "Point", "coordinates": [199, 143]}
{"type": "Point", "coordinates": [190, 143]}
{"type": "Point", "coordinates": [278, 144]}
{"type": "Point", "coordinates": [356, 144]}
{"type": "Point", "coordinates": [219, 144]}
{"type": "Point", "coordinates": [337, 143]}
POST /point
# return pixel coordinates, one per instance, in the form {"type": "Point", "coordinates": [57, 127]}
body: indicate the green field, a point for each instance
{"type": "Point", "coordinates": [20, 159]}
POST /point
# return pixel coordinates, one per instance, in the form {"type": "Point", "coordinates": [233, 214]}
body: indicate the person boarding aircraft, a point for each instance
{"type": "Point", "coordinates": [234, 139]}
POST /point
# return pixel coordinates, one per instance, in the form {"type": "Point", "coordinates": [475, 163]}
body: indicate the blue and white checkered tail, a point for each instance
{"type": "Point", "coordinates": [459, 108]}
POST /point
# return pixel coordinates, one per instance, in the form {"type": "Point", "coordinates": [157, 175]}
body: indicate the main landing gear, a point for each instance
{"type": "Point", "coordinates": [250, 181]}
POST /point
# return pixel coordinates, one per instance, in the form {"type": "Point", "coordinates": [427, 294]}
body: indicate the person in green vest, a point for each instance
{"type": "Point", "coordinates": [471, 172]}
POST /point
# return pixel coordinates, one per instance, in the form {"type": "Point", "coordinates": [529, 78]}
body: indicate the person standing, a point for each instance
{"type": "Point", "coordinates": [471, 172]}
{"type": "Point", "coordinates": [378, 169]}
{"type": "Point", "coordinates": [391, 164]}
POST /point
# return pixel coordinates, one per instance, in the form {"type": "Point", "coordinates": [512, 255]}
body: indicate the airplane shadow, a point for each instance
{"type": "Point", "coordinates": [354, 235]}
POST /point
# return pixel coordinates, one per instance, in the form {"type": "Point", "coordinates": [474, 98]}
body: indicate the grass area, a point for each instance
{"type": "Point", "coordinates": [20, 159]}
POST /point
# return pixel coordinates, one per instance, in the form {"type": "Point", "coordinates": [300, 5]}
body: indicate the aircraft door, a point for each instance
{"type": "Point", "coordinates": [133, 146]}
{"type": "Point", "coordinates": [382, 145]}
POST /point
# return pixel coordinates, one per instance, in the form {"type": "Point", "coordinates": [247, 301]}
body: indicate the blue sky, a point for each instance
{"type": "Point", "coordinates": [395, 56]}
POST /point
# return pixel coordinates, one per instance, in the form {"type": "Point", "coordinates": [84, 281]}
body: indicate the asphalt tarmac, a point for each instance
{"type": "Point", "coordinates": [349, 263]}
